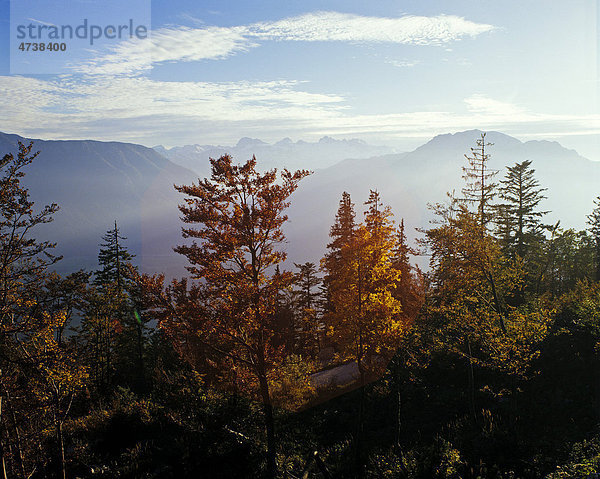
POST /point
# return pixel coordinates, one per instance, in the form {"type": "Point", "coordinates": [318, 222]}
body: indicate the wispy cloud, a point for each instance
{"type": "Point", "coordinates": [182, 44]}
{"type": "Point", "coordinates": [150, 112]}
{"type": "Point", "coordinates": [345, 27]}
{"type": "Point", "coordinates": [479, 103]}
{"type": "Point", "coordinates": [210, 42]}
{"type": "Point", "coordinates": [403, 63]}
{"type": "Point", "coordinates": [41, 22]}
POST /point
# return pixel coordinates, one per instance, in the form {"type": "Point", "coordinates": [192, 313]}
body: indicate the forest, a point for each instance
{"type": "Point", "coordinates": [484, 364]}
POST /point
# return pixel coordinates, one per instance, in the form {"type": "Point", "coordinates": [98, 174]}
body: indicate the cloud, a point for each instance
{"type": "Point", "coordinates": [122, 107]}
{"type": "Point", "coordinates": [345, 27]}
{"type": "Point", "coordinates": [167, 45]}
{"type": "Point", "coordinates": [403, 63]}
{"type": "Point", "coordinates": [150, 112]}
{"type": "Point", "coordinates": [172, 44]}
{"type": "Point", "coordinates": [41, 22]}
{"type": "Point", "coordinates": [482, 104]}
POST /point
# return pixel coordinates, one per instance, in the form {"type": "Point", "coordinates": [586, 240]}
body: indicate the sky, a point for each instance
{"type": "Point", "coordinates": [389, 72]}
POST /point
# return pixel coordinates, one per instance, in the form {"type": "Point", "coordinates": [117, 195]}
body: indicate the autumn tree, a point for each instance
{"type": "Point", "coordinates": [39, 373]}
{"type": "Point", "coordinates": [226, 319]}
{"type": "Point", "coordinates": [475, 286]}
{"type": "Point", "coordinates": [364, 317]}
{"type": "Point", "coordinates": [360, 278]}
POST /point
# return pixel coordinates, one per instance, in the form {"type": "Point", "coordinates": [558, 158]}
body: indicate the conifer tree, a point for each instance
{"type": "Point", "coordinates": [341, 233]}
{"type": "Point", "coordinates": [308, 302]}
{"type": "Point", "coordinates": [409, 289]}
{"type": "Point", "coordinates": [594, 228]}
{"type": "Point", "coordinates": [480, 188]}
{"type": "Point", "coordinates": [113, 258]}
{"type": "Point", "coordinates": [519, 221]}
{"type": "Point", "coordinates": [344, 227]}
{"type": "Point", "coordinates": [114, 327]}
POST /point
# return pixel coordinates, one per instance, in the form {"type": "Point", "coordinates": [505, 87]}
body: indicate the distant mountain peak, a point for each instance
{"type": "Point", "coordinates": [466, 139]}
{"type": "Point", "coordinates": [248, 142]}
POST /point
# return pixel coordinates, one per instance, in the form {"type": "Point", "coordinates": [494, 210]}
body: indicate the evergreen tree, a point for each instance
{"type": "Point", "coordinates": [344, 227]}
{"type": "Point", "coordinates": [594, 228]}
{"type": "Point", "coordinates": [480, 189]}
{"type": "Point", "coordinates": [409, 289]}
{"type": "Point", "coordinates": [341, 233]}
{"type": "Point", "coordinates": [308, 299]}
{"type": "Point", "coordinates": [519, 222]}
{"type": "Point", "coordinates": [114, 259]}
{"type": "Point", "coordinates": [114, 327]}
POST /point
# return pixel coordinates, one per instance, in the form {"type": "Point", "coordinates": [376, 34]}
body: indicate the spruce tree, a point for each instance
{"type": "Point", "coordinates": [519, 221]}
{"type": "Point", "coordinates": [113, 259]}
{"type": "Point", "coordinates": [307, 304]}
{"type": "Point", "coordinates": [594, 228]}
{"type": "Point", "coordinates": [114, 327]}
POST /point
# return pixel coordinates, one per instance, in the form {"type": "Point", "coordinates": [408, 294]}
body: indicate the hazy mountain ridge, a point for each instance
{"type": "Point", "coordinates": [96, 183]}
{"type": "Point", "coordinates": [284, 153]}
{"type": "Point", "coordinates": [409, 181]}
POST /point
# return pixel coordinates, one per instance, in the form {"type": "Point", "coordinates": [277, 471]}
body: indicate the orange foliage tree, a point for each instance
{"type": "Point", "coordinates": [226, 324]}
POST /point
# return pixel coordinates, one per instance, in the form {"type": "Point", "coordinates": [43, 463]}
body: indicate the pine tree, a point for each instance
{"type": "Point", "coordinates": [308, 300]}
{"type": "Point", "coordinates": [341, 233]}
{"type": "Point", "coordinates": [480, 188]}
{"type": "Point", "coordinates": [344, 227]}
{"type": "Point", "coordinates": [519, 220]}
{"type": "Point", "coordinates": [114, 328]}
{"type": "Point", "coordinates": [113, 258]}
{"type": "Point", "coordinates": [409, 289]}
{"type": "Point", "coordinates": [594, 228]}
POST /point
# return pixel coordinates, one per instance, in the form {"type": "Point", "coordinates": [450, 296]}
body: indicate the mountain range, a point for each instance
{"type": "Point", "coordinates": [409, 181]}
{"type": "Point", "coordinates": [285, 153]}
{"type": "Point", "coordinates": [96, 183]}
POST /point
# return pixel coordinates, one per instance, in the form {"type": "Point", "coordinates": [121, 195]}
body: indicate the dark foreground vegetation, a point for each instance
{"type": "Point", "coordinates": [485, 366]}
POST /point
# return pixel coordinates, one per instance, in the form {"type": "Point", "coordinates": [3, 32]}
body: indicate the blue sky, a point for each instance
{"type": "Point", "coordinates": [389, 72]}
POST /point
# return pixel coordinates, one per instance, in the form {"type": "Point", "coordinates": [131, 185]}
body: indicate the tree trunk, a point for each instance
{"type": "Point", "coordinates": [360, 426]}
{"type": "Point", "coordinates": [2, 451]}
{"type": "Point", "coordinates": [140, 353]}
{"type": "Point", "coordinates": [62, 467]}
{"type": "Point", "coordinates": [270, 426]}
{"type": "Point", "coordinates": [60, 442]}
{"type": "Point", "coordinates": [398, 434]}
{"type": "Point", "coordinates": [471, 383]}
{"type": "Point", "coordinates": [597, 259]}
